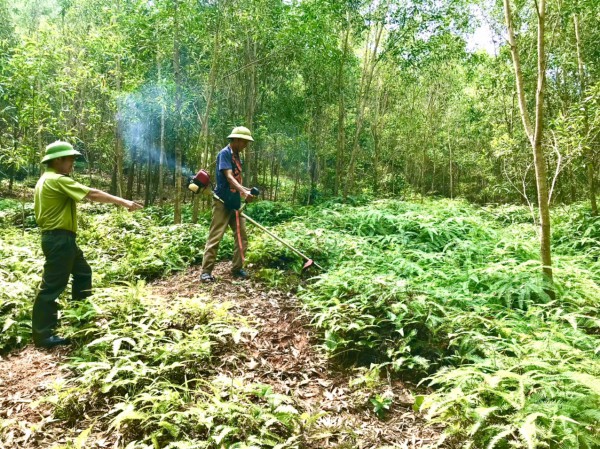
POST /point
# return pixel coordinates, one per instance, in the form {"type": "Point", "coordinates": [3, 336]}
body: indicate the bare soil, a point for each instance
{"type": "Point", "coordinates": [26, 377]}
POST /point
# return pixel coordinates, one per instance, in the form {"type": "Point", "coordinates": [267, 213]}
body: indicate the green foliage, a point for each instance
{"type": "Point", "coordinates": [268, 213]}
{"type": "Point", "coordinates": [381, 405]}
{"type": "Point", "coordinates": [147, 367]}
{"type": "Point", "coordinates": [119, 246]}
{"type": "Point", "coordinates": [15, 213]}
{"type": "Point", "coordinates": [127, 247]}
{"type": "Point", "coordinates": [20, 269]}
{"type": "Point", "coordinates": [538, 392]}
{"type": "Point", "coordinates": [578, 232]}
{"type": "Point", "coordinates": [454, 292]}
{"type": "Point", "coordinates": [438, 291]}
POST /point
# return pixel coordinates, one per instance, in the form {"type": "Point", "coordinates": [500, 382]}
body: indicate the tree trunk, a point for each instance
{"type": "Point", "coordinates": [177, 70]}
{"type": "Point", "coordinates": [535, 134]}
{"type": "Point", "coordinates": [369, 64]}
{"type": "Point", "coordinates": [118, 143]}
{"type": "Point", "coordinates": [277, 179]}
{"type": "Point", "coordinates": [212, 80]}
{"type": "Point", "coordinates": [129, 191]}
{"type": "Point", "coordinates": [161, 163]}
{"type": "Point", "coordinates": [148, 189]}
{"type": "Point", "coordinates": [273, 168]}
{"type": "Point", "coordinates": [588, 153]}
{"type": "Point", "coordinates": [341, 137]}
{"type": "Point", "coordinates": [251, 160]}
{"type": "Point", "coordinates": [450, 168]}
{"type": "Point", "coordinates": [381, 102]}
{"type": "Point", "coordinates": [11, 179]}
{"type": "Point", "coordinates": [296, 179]}
{"type": "Point", "coordinates": [140, 172]}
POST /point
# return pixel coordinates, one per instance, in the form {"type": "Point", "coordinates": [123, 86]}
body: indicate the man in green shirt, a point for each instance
{"type": "Point", "coordinates": [55, 198]}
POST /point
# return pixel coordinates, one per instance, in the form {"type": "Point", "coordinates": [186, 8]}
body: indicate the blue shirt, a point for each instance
{"type": "Point", "coordinates": [225, 162]}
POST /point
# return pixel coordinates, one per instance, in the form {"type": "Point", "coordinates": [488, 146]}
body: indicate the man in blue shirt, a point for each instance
{"type": "Point", "coordinates": [231, 191]}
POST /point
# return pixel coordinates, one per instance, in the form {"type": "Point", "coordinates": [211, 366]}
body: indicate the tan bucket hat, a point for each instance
{"type": "Point", "coordinates": [241, 132]}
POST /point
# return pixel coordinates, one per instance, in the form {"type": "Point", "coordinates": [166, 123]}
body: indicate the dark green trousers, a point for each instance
{"type": "Point", "coordinates": [63, 259]}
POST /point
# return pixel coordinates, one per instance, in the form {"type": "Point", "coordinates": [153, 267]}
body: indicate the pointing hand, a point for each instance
{"type": "Point", "coordinates": [132, 205]}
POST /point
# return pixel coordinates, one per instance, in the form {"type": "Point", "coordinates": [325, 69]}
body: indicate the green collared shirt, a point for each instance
{"type": "Point", "coordinates": [55, 201]}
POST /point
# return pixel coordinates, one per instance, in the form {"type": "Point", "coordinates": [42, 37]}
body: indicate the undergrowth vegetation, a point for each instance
{"type": "Point", "coordinates": [452, 295]}
{"type": "Point", "coordinates": [149, 371]}
{"type": "Point", "coordinates": [439, 292]}
{"type": "Point", "coordinates": [120, 247]}
{"type": "Point", "coordinates": [142, 368]}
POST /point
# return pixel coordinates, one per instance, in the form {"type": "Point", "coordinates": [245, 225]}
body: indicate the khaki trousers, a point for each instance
{"type": "Point", "coordinates": [221, 218]}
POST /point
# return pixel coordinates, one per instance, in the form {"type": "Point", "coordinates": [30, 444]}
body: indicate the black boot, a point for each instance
{"type": "Point", "coordinates": [52, 341]}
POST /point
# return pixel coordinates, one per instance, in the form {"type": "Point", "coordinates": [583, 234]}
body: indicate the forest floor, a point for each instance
{"type": "Point", "coordinates": [281, 353]}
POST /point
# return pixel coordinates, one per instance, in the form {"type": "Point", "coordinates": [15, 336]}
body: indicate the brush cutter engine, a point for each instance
{"type": "Point", "coordinates": [199, 182]}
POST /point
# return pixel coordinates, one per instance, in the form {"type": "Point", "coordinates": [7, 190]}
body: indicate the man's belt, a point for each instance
{"type": "Point", "coordinates": [59, 232]}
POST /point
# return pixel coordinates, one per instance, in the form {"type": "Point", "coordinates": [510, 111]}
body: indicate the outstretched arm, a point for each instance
{"type": "Point", "coordinates": [102, 197]}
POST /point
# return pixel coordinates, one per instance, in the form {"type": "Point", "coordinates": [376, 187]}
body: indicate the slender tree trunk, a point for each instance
{"type": "Point", "coordinates": [161, 163]}
{"type": "Point", "coordinates": [588, 153]}
{"type": "Point", "coordinates": [204, 138]}
{"type": "Point", "coordinates": [40, 144]}
{"type": "Point", "coordinates": [535, 134]}
{"type": "Point", "coordinates": [131, 175]}
{"type": "Point", "coordinates": [90, 159]}
{"type": "Point", "coordinates": [381, 102]}
{"type": "Point", "coordinates": [177, 70]}
{"type": "Point", "coordinates": [393, 178]}
{"type": "Point", "coordinates": [118, 159]}
{"type": "Point", "coordinates": [296, 179]}
{"type": "Point", "coordinates": [113, 182]}
{"type": "Point", "coordinates": [341, 137]}
{"type": "Point", "coordinates": [140, 171]}
{"type": "Point", "coordinates": [370, 62]}
{"type": "Point", "coordinates": [251, 160]}
{"type": "Point", "coordinates": [450, 176]}
{"type": "Point", "coordinates": [11, 179]}
{"type": "Point", "coordinates": [433, 158]}
{"type": "Point", "coordinates": [119, 156]}
{"type": "Point", "coordinates": [273, 168]}
{"type": "Point", "coordinates": [148, 190]}
{"type": "Point", "coordinates": [423, 181]}
{"type": "Point", "coordinates": [277, 179]}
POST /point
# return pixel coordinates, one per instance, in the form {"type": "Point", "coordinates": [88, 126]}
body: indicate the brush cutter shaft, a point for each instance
{"type": "Point", "coordinates": [283, 242]}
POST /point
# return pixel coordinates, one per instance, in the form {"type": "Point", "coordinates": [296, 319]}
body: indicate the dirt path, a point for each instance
{"type": "Point", "coordinates": [26, 377]}
{"type": "Point", "coordinates": [282, 354]}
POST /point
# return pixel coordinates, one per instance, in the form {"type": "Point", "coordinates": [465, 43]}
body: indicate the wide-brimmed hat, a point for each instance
{"type": "Point", "coordinates": [59, 149]}
{"type": "Point", "coordinates": [241, 132]}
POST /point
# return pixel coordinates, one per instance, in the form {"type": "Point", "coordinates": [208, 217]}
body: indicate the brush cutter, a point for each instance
{"type": "Point", "coordinates": [200, 183]}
